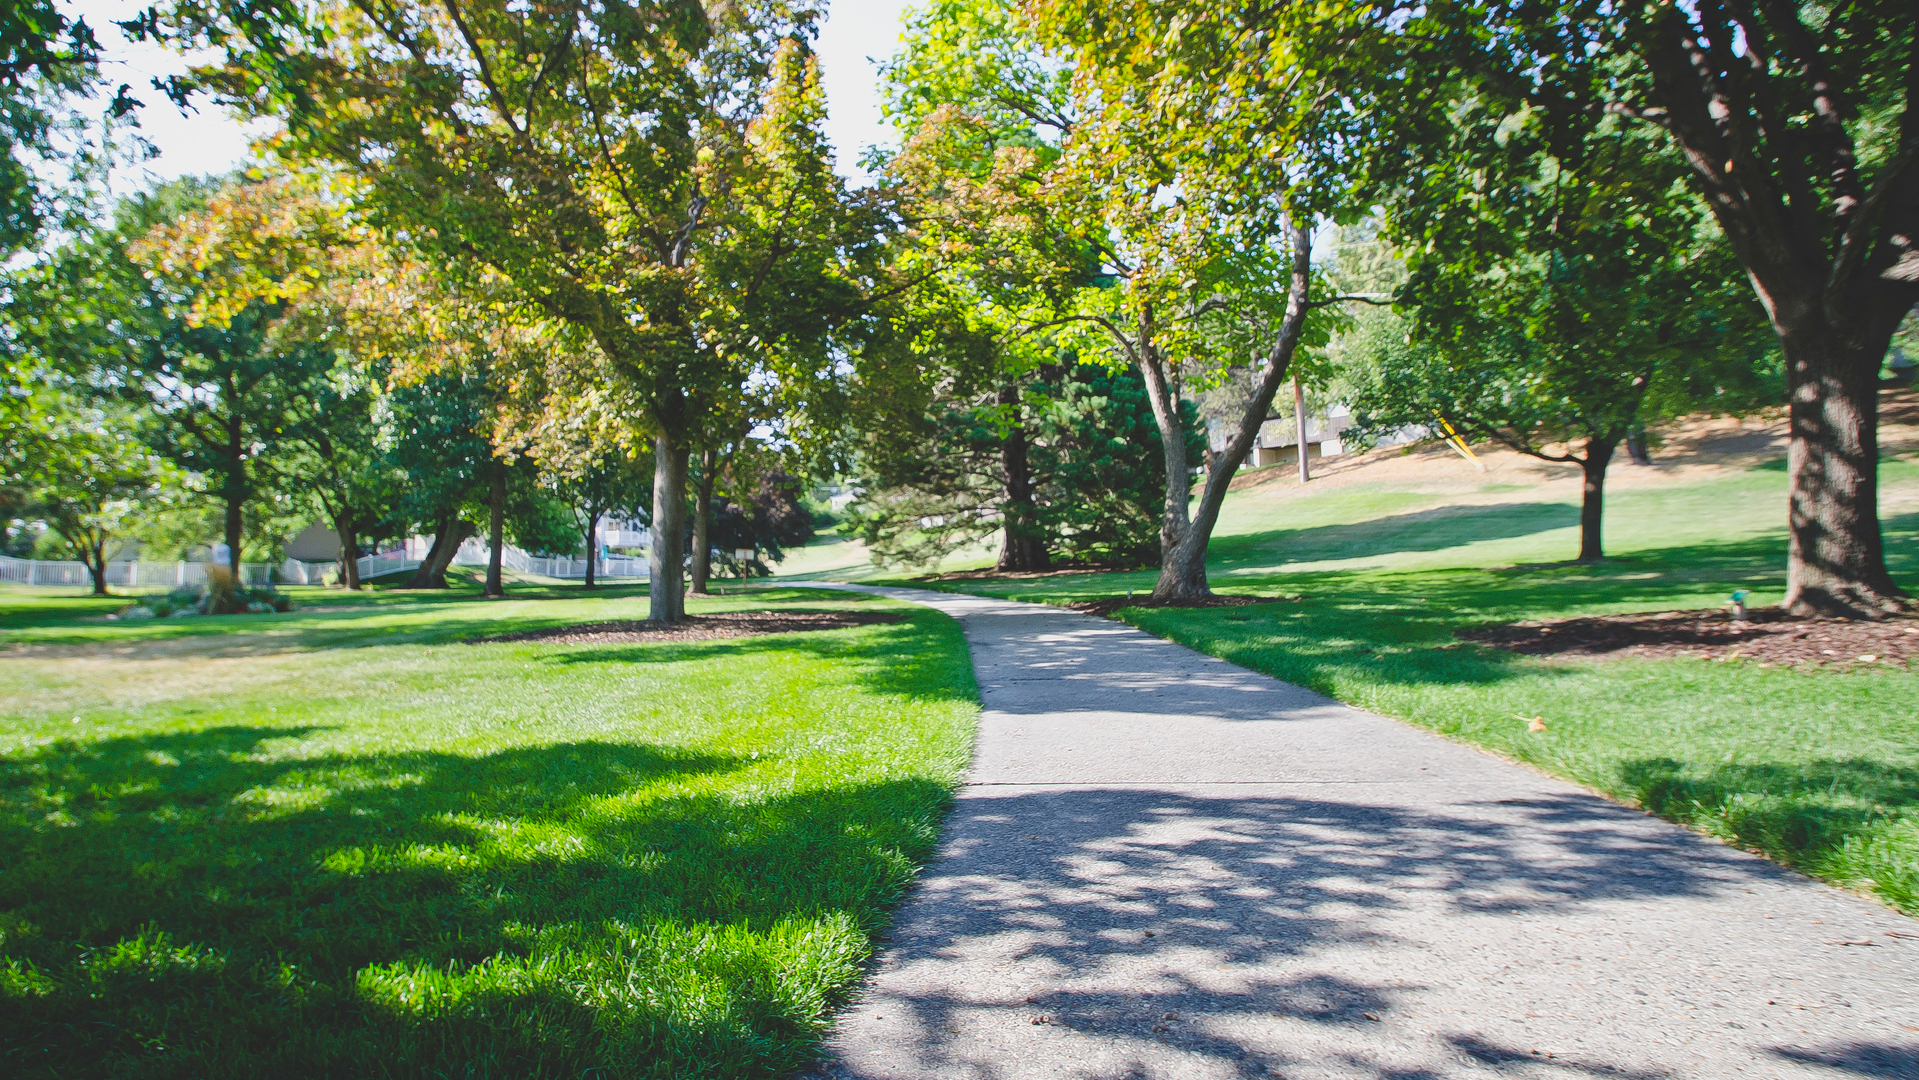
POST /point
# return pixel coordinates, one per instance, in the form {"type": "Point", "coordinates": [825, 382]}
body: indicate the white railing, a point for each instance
{"type": "Point", "coordinates": [565, 567]}
{"type": "Point", "coordinates": [387, 562]}
{"type": "Point", "coordinates": [153, 574]}
{"type": "Point", "coordinates": [130, 574]}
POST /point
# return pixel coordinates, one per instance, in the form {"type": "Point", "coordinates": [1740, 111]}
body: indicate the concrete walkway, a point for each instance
{"type": "Point", "coordinates": [1164, 865]}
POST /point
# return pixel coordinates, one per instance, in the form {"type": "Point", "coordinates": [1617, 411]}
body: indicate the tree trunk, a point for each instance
{"type": "Point", "coordinates": [1181, 576]}
{"type": "Point", "coordinates": [1836, 557]}
{"type": "Point", "coordinates": [703, 521]}
{"type": "Point", "coordinates": [1184, 538]}
{"type": "Point", "coordinates": [1834, 288]}
{"type": "Point", "coordinates": [666, 598]}
{"type": "Point", "coordinates": [451, 532]}
{"type": "Point", "coordinates": [97, 567]}
{"type": "Point", "coordinates": [1637, 449]}
{"type": "Point", "coordinates": [1023, 547]}
{"type": "Point", "coordinates": [496, 531]}
{"type": "Point", "coordinates": [236, 499]}
{"type": "Point", "coordinates": [1592, 498]}
{"type": "Point", "coordinates": [592, 545]}
{"type": "Point", "coordinates": [348, 530]}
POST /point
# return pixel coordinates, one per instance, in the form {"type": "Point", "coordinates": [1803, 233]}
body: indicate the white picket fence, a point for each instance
{"type": "Point", "coordinates": [475, 553]}
{"type": "Point", "coordinates": [153, 574]}
{"type": "Point", "coordinates": [131, 574]}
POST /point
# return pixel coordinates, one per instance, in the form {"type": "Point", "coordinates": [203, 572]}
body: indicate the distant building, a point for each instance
{"type": "Point", "coordinates": [315, 543]}
{"type": "Point", "coordinates": [1278, 439]}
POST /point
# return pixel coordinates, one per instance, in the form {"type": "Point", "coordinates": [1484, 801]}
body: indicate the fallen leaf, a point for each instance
{"type": "Point", "coordinates": [1866, 659]}
{"type": "Point", "coordinates": [1537, 723]}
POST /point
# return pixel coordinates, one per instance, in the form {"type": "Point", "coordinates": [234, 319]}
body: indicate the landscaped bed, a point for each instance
{"type": "Point", "coordinates": [341, 843]}
{"type": "Point", "coordinates": [1765, 637]}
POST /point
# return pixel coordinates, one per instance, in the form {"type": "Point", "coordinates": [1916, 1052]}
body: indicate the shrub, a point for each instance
{"type": "Point", "coordinates": [223, 592]}
{"type": "Point", "coordinates": [222, 597]}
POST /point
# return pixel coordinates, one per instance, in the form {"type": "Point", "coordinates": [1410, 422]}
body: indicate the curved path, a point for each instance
{"type": "Point", "coordinates": [1163, 865]}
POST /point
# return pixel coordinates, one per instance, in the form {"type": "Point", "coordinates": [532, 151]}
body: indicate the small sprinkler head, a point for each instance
{"type": "Point", "coordinates": [1738, 603]}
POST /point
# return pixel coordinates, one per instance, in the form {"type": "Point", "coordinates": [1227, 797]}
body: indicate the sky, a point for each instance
{"type": "Point", "coordinates": [856, 33]}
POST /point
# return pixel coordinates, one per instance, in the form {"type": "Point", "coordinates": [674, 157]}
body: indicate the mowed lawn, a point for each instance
{"type": "Point", "coordinates": [343, 842]}
{"type": "Point", "coordinates": [1818, 769]}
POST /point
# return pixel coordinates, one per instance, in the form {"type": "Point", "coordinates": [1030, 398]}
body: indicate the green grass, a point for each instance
{"type": "Point", "coordinates": [341, 842]}
{"type": "Point", "coordinates": [1818, 769]}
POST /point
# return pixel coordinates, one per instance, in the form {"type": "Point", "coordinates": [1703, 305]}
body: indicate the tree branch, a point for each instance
{"type": "Point", "coordinates": [1856, 242]}
{"type": "Point", "coordinates": [486, 72]}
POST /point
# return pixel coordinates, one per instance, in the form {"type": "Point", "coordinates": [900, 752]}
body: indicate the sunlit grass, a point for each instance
{"type": "Point", "coordinates": [342, 842]}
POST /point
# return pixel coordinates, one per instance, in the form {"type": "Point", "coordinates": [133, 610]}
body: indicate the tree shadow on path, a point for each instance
{"type": "Point", "coordinates": [1160, 933]}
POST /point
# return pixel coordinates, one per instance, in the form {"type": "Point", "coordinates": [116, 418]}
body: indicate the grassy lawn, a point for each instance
{"type": "Point", "coordinates": [341, 842]}
{"type": "Point", "coordinates": [1818, 769]}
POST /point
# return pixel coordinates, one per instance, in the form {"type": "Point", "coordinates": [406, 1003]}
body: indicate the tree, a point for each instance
{"type": "Point", "coordinates": [1206, 147]}
{"type": "Point", "coordinates": [1098, 441]}
{"type": "Point", "coordinates": [211, 385]}
{"type": "Point", "coordinates": [1558, 274]}
{"type": "Point", "coordinates": [222, 386]}
{"type": "Point", "coordinates": [51, 155]}
{"type": "Point", "coordinates": [342, 468]}
{"type": "Point", "coordinates": [82, 471]}
{"type": "Point", "coordinates": [1799, 129]}
{"type": "Point", "coordinates": [770, 518]}
{"type": "Point", "coordinates": [981, 114]}
{"type": "Point", "coordinates": [589, 154]}
{"type": "Point", "coordinates": [584, 465]}
{"type": "Point", "coordinates": [933, 483]}
{"type": "Point", "coordinates": [1805, 149]}
{"type": "Point", "coordinates": [435, 439]}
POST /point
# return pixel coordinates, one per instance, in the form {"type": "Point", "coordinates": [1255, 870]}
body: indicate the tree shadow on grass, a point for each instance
{"type": "Point", "coordinates": [1424, 530]}
{"type": "Point", "coordinates": [921, 656]}
{"type": "Point", "coordinates": [192, 904]}
{"type": "Point", "coordinates": [436, 618]}
{"type": "Point", "coordinates": [1812, 814]}
{"type": "Point", "coordinates": [1168, 932]}
{"type": "Point", "coordinates": [1397, 627]}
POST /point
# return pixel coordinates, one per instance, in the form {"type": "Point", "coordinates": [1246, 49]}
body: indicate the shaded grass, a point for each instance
{"type": "Point", "coordinates": [425, 859]}
{"type": "Point", "coordinates": [1817, 769]}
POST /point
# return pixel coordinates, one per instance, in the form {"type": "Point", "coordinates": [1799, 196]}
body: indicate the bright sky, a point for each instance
{"type": "Point", "coordinates": [856, 33]}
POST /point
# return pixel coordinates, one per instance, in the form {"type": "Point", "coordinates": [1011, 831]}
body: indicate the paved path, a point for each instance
{"type": "Point", "coordinates": [1164, 865]}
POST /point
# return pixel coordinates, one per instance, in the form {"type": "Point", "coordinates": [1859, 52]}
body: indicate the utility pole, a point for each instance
{"type": "Point", "coordinates": [1299, 421]}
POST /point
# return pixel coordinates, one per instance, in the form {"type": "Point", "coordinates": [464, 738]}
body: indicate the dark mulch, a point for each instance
{"type": "Point", "coordinates": [1021, 575]}
{"type": "Point", "coordinates": [700, 627]}
{"type": "Point", "coordinates": [1105, 607]}
{"type": "Point", "coordinates": [1768, 635]}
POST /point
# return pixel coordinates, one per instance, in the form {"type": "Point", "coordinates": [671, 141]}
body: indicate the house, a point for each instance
{"type": "Point", "coordinates": [315, 543]}
{"type": "Point", "coordinates": [1278, 440]}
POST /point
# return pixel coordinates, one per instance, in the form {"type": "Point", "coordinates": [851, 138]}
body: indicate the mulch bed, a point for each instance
{"type": "Point", "coordinates": [1018, 575]}
{"type": "Point", "coordinates": [1110, 604]}
{"type": "Point", "coordinates": [700, 627]}
{"type": "Point", "coordinates": [1768, 636]}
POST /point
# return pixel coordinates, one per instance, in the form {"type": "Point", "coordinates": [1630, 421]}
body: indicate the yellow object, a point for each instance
{"type": "Point", "coordinates": [1453, 440]}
